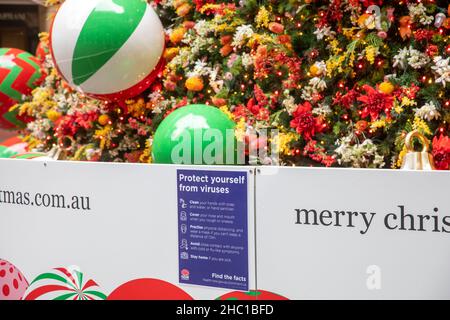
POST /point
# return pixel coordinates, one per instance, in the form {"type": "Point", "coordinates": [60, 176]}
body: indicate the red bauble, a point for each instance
{"type": "Point", "coordinates": [12, 282]}
{"type": "Point", "coordinates": [148, 289]}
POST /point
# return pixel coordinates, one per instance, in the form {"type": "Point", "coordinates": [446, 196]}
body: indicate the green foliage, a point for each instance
{"type": "Point", "coordinates": [374, 40]}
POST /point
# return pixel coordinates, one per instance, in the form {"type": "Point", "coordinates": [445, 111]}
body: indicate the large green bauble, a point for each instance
{"type": "Point", "coordinates": [195, 134]}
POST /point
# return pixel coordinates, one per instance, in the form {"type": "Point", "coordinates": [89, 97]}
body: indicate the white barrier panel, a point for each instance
{"type": "Point", "coordinates": [353, 234]}
{"type": "Point", "coordinates": [320, 233]}
{"type": "Point", "coordinates": [117, 223]}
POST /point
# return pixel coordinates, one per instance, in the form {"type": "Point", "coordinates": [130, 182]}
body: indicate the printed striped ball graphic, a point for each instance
{"type": "Point", "coordinates": [108, 49]}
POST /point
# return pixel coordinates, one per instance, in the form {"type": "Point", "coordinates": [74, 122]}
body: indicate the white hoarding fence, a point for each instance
{"type": "Point", "coordinates": [207, 232]}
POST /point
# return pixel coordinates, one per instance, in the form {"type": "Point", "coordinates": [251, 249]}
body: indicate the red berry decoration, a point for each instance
{"type": "Point", "coordinates": [12, 282]}
{"type": "Point", "coordinates": [251, 295]}
{"type": "Point", "coordinates": [20, 73]}
{"type": "Point", "coordinates": [149, 289]}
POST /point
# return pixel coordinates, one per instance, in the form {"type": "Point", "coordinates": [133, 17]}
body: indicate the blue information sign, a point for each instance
{"type": "Point", "coordinates": [213, 228]}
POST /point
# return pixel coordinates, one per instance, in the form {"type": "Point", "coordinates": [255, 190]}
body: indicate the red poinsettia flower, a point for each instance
{"type": "Point", "coordinates": [70, 124]}
{"type": "Point", "coordinates": [347, 99]}
{"type": "Point", "coordinates": [261, 98]}
{"type": "Point", "coordinates": [65, 127]}
{"type": "Point", "coordinates": [86, 120]}
{"type": "Point", "coordinates": [409, 92]}
{"type": "Point", "coordinates": [375, 102]}
{"type": "Point", "coordinates": [200, 3]}
{"type": "Point", "coordinates": [367, 3]}
{"type": "Point", "coordinates": [441, 152]}
{"type": "Point", "coordinates": [239, 112]}
{"type": "Point", "coordinates": [305, 123]}
{"type": "Point", "coordinates": [423, 34]}
{"type": "Point", "coordinates": [258, 110]}
{"type": "Point", "coordinates": [432, 50]}
{"type": "Point", "coordinates": [318, 153]}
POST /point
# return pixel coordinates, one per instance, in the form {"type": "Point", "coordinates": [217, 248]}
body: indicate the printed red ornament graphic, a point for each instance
{"type": "Point", "coordinates": [12, 282]}
{"type": "Point", "coordinates": [149, 289]}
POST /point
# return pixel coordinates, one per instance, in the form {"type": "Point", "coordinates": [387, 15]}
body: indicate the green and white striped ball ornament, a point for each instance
{"type": "Point", "coordinates": [108, 49]}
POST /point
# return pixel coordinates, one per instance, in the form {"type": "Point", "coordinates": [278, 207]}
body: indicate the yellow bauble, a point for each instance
{"type": "Point", "coordinates": [194, 84]}
{"type": "Point", "coordinates": [184, 9]}
{"type": "Point", "coordinates": [178, 3]}
{"type": "Point", "coordinates": [170, 53]}
{"type": "Point", "coordinates": [314, 70]}
{"type": "Point", "coordinates": [386, 87]}
{"type": "Point", "coordinates": [103, 119]}
{"type": "Point", "coordinates": [177, 35]}
{"type": "Point", "coordinates": [53, 115]}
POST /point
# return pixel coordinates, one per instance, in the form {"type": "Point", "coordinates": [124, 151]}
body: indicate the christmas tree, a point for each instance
{"type": "Point", "coordinates": [343, 82]}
